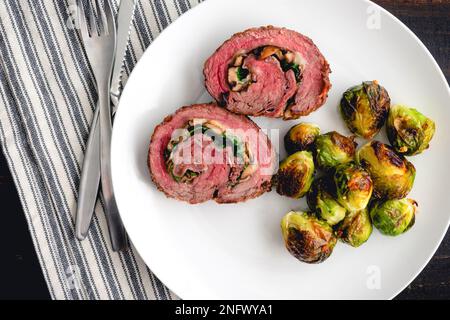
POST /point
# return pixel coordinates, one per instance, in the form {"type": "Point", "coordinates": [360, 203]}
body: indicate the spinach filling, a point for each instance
{"type": "Point", "coordinates": [188, 176]}
{"type": "Point", "coordinates": [286, 66]}
{"type": "Point", "coordinates": [221, 140]}
{"type": "Point", "coordinates": [239, 77]}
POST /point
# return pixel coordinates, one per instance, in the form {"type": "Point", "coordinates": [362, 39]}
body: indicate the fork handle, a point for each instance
{"type": "Point", "coordinates": [116, 229]}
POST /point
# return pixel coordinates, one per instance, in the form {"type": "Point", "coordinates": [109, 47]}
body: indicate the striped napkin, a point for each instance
{"type": "Point", "coordinates": [47, 100]}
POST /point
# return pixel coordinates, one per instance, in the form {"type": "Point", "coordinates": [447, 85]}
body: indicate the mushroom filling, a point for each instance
{"type": "Point", "coordinates": [242, 161]}
{"type": "Point", "coordinates": [240, 77]}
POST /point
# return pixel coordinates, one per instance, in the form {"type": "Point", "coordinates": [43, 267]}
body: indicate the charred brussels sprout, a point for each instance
{"type": "Point", "coordinates": [394, 217]}
{"type": "Point", "coordinates": [333, 149]}
{"type": "Point", "coordinates": [365, 108]}
{"type": "Point", "coordinates": [356, 228]}
{"type": "Point", "coordinates": [295, 175]}
{"type": "Point", "coordinates": [301, 137]}
{"type": "Point", "coordinates": [409, 131]}
{"type": "Point", "coordinates": [307, 238]}
{"type": "Point", "coordinates": [353, 186]}
{"type": "Point", "coordinates": [393, 176]}
{"type": "Point", "coordinates": [321, 200]}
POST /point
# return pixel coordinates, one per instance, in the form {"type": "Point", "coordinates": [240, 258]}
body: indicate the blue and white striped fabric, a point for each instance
{"type": "Point", "coordinates": [47, 99]}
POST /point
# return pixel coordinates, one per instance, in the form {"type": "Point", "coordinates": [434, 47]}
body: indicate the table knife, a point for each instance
{"type": "Point", "coordinates": [90, 175]}
{"type": "Point", "coordinates": [124, 18]}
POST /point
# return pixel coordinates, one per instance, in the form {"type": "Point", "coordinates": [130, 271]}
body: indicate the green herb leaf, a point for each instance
{"type": "Point", "coordinates": [286, 66]}
{"type": "Point", "coordinates": [242, 73]}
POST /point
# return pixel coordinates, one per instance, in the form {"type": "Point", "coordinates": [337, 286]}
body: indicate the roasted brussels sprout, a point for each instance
{"type": "Point", "coordinates": [295, 175]}
{"type": "Point", "coordinates": [301, 137]}
{"type": "Point", "coordinates": [333, 149]}
{"type": "Point", "coordinates": [394, 217]}
{"type": "Point", "coordinates": [307, 238]}
{"type": "Point", "coordinates": [321, 200]}
{"type": "Point", "coordinates": [409, 131]}
{"type": "Point", "coordinates": [356, 228]}
{"type": "Point", "coordinates": [365, 108]}
{"type": "Point", "coordinates": [354, 186]}
{"type": "Point", "coordinates": [393, 176]}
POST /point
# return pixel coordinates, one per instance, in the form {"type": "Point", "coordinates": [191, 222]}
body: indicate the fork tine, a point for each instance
{"type": "Point", "coordinates": [110, 17]}
{"type": "Point", "coordinates": [101, 12]}
{"type": "Point", "coordinates": [82, 20]}
{"type": "Point", "coordinates": [92, 19]}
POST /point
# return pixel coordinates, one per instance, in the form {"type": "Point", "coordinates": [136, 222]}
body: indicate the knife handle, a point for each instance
{"type": "Point", "coordinates": [90, 180]}
{"type": "Point", "coordinates": [89, 190]}
{"type": "Point", "coordinates": [116, 228]}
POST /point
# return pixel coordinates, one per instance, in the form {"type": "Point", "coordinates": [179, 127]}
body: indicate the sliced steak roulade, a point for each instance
{"type": "Point", "coordinates": [204, 152]}
{"type": "Point", "coordinates": [268, 71]}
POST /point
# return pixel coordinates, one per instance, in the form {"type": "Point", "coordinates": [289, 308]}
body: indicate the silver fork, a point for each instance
{"type": "Point", "coordinates": [100, 44]}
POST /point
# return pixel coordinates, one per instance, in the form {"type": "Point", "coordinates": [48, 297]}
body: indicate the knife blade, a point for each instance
{"type": "Point", "coordinates": [124, 21]}
{"type": "Point", "coordinates": [90, 174]}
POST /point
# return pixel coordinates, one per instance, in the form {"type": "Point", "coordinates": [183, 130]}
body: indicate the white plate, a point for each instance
{"type": "Point", "coordinates": [236, 251]}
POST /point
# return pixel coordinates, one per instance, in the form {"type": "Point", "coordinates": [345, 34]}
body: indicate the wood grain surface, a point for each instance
{"type": "Point", "coordinates": [20, 274]}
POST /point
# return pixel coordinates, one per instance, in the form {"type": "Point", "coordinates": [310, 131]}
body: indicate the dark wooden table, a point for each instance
{"type": "Point", "coordinates": [21, 276]}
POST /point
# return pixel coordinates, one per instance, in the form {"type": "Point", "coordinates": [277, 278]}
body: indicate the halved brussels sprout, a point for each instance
{"type": "Point", "coordinates": [307, 238]}
{"type": "Point", "coordinates": [295, 175]}
{"type": "Point", "coordinates": [365, 108]}
{"type": "Point", "coordinates": [333, 149]}
{"type": "Point", "coordinates": [321, 200]}
{"type": "Point", "coordinates": [409, 131]}
{"type": "Point", "coordinates": [356, 228]}
{"type": "Point", "coordinates": [354, 186]}
{"type": "Point", "coordinates": [394, 217]}
{"type": "Point", "coordinates": [393, 176]}
{"type": "Point", "coordinates": [301, 137]}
